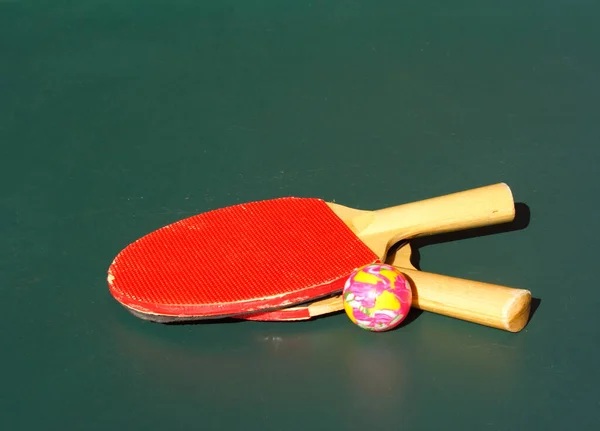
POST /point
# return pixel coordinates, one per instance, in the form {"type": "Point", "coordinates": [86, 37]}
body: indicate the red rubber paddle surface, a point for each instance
{"type": "Point", "coordinates": [244, 258]}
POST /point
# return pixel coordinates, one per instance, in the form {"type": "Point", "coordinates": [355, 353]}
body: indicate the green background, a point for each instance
{"type": "Point", "coordinates": [119, 117]}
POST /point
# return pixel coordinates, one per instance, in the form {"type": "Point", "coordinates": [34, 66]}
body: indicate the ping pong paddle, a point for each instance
{"type": "Point", "coordinates": [487, 304]}
{"type": "Point", "coordinates": [277, 253]}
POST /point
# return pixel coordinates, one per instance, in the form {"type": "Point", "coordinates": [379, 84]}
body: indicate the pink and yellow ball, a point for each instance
{"type": "Point", "coordinates": [377, 297]}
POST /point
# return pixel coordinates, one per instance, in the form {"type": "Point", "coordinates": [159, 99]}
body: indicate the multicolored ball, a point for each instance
{"type": "Point", "coordinates": [377, 297]}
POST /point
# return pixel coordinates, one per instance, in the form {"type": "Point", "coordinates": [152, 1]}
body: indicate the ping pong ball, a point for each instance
{"type": "Point", "coordinates": [377, 297]}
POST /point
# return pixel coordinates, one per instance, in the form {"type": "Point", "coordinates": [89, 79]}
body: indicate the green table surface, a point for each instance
{"type": "Point", "coordinates": [119, 117]}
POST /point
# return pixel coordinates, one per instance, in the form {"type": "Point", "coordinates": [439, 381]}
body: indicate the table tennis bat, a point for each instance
{"type": "Point", "coordinates": [487, 304]}
{"type": "Point", "coordinates": [277, 253]}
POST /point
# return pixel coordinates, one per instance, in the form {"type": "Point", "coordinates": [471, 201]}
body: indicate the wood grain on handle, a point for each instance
{"type": "Point", "coordinates": [483, 206]}
{"type": "Point", "coordinates": [488, 304]}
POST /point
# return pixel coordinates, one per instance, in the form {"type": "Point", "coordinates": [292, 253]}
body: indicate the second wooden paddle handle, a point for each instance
{"type": "Point", "coordinates": [488, 304]}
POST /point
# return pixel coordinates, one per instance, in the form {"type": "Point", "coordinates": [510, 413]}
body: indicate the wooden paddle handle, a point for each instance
{"type": "Point", "coordinates": [487, 304]}
{"type": "Point", "coordinates": [474, 208]}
